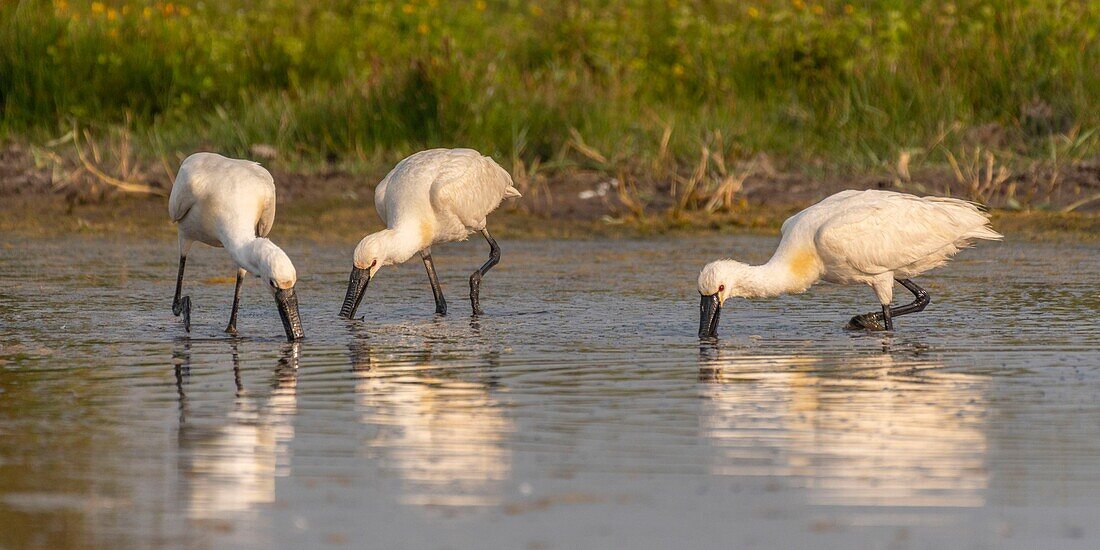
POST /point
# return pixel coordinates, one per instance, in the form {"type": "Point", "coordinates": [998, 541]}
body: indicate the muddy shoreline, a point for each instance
{"type": "Point", "coordinates": [346, 220]}
{"type": "Point", "coordinates": [44, 197]}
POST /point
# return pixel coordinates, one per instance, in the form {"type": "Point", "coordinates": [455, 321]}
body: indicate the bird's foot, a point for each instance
{"type": "Point", "coordinates": [868, 321]}
{"type": "Point", "coordinates": [441, 309]}
{"type": "Point", "coordinates": [183, 307]}
{"type": "Point", "coordinates": [231, 329]}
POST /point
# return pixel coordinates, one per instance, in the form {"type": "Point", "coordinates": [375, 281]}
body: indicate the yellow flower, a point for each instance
{"type": "Point", "coordinates": [848, 9]}
{"type": "Point", "coordinates": [678, 69]}
{"type": "Point", "coordinates": [98, 7]}
{"type": "Point", "coordinates": [535, 9]}
{"type": "Point", "coordinates": [113, 33]}
{"type": "Point", "coordinates": [479, 5]}
{"type": "Point", "coordinates": [753, 12]}
{"type": "Point", "coordinates": [147, 12]}
{"type": "Point", "coordinates": [818, 10]}
{"type": "Point", "coordinates": [169, 8]}
{"type": "Point", "coordinates": [408, 8]}
{"type": "Point", "coordinates": [798, 4]}
{"type": "Point", "coordinates": [112, 14]}
{"type": "Point", "coordinates": [185, 11]}
{"type": "Point", "coordinates": [422, 28]}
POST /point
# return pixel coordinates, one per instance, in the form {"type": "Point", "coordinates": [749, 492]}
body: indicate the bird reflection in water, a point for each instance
{"type": "Point", "coordinates": [440, 429]}
{"type": "Point", "coordinates": [229, 459]}
{"type": "Point", "coordinates": [872, 430]}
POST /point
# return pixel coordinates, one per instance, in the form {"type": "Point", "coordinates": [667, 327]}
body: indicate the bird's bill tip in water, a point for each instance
{"type": "Point", "coordinates": [357, 286]}
{"type": "Point", "coordinates": [710, 307]}
{"type": "Point", "coordinates": [287, 301]}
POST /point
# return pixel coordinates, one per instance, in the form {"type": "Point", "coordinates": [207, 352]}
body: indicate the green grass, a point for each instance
{"type": "Point", "coordinates": [832, 83]}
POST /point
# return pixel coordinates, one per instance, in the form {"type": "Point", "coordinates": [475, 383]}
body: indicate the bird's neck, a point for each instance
{"type": "Point", "coordinates": [246, 251]}
{"type": "Point", "coordinates": [789, 271]}
{"type": "Point", "coordinates": [402, 243]}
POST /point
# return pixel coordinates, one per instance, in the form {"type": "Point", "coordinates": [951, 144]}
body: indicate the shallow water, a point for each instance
{"type": "Point", "coordinates": [580, 411]}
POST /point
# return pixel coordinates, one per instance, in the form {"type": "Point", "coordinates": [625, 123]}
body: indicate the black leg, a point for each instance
{"type": "Point", "coordinates": [475, 279]}
{"type": "Point", "coordinates": [182, 305]}
{"type": "Point", "coordinates": [884, 320]}
{"type": "Point", "coordinates": [232, 328]}
{"type": "Point", "coordinates": [437, 291]}
{"type": "Point", "coordinates": [921, 299]}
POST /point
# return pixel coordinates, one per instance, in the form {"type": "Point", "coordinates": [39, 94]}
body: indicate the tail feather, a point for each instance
{"type": "Point", "coordinates": [978, 218]}
{"type": "Point", "coordinates": [985, 233]}
{"type": "Point", "coordinates": [972, 216]}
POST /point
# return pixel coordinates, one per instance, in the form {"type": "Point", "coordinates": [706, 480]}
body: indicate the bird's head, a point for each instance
{"type": "Point", "coordinates": [718, 282]}
{"type": "Point", "coordinates": [278, 274]}
{"type": "Point", "coordinates": [370, 255]}
{"type": "Point", "coordinates": [275, 267]}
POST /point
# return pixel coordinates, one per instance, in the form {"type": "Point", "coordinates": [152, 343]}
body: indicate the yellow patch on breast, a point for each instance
{"type": "Point", "coordinates": [804, 263]}
{"type": "Point", "coordinates": [427, 231]}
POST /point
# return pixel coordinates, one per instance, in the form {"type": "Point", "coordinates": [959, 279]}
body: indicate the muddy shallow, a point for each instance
{"type": "Point", "coordinates": [580, 411]}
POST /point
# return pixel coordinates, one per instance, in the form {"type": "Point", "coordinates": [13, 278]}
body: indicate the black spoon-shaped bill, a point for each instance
{"type": "Point", "coordinates": [357, 286]}
{"type": "Point", "coordinates": [710, 308]}
{"type": "Point", "coordinates": [287, 301]}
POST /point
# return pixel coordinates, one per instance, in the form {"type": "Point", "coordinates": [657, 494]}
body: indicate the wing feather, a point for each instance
{"type": "Point", "coordinates": [816, 208]}
{"type": "Point", "coordinates": [380, 199]}
{"type": "Point", "coordinates": [892, 231]}
{"type": "Point", "coordinates": [182, 197]}
{"type": "Point", "coordinates": [470, 186]}
{"type": "Point", "coordinates": [267, 217]}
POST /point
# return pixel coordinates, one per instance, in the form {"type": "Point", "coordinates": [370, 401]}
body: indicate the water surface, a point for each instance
{"type": "Point", "coordinates": [581, 411]}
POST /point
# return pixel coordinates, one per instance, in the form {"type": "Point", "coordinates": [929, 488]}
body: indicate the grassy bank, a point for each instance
{"type": "Point", "coordinates": [611, 85]}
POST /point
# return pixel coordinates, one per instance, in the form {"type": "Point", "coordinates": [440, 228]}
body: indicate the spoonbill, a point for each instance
{"type": "Point", "coordinates": [434, 196]}
{"type": "Point", "coordinates": [230, 203]}
{"type": "Point", "coordinates": [870, 237]}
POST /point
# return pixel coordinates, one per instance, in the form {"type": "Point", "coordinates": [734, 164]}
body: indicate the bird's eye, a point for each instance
{"type": "Point", "coordinates": [272, 283]}
{"type": "Point", "coordinates": [721, 288]}
{"type": "Point", "coordinates": [374, 263]}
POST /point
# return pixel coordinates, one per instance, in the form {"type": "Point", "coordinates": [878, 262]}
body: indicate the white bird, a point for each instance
{"type": "Point", "coordinates": [434, 196]}
{"type": "Point", "coordinates": [230, 203]}
{"type": "Point", "coordinates": [869, 237]}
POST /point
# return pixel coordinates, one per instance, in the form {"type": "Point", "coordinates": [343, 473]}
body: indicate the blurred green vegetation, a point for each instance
{"type": "Point", "coordinates": [847, 84]}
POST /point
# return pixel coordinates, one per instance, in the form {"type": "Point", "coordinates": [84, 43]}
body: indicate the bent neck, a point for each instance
{"type": "Point", "coordinates": [400, 244]}
{"type": "Point", "coordinates": [787, 272]}
{"type": "Point", "coordinates": [248, 252]}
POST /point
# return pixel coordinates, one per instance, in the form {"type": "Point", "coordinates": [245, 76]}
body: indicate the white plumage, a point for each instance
{"type": "Point", "coordinates": [431, 197]}
{"type": "Point", "coordinates": [230, 203]}
{"type": "Point", "coordinates": [869, 237]}
{"type": "Point", "coordinates": [444, 194]}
